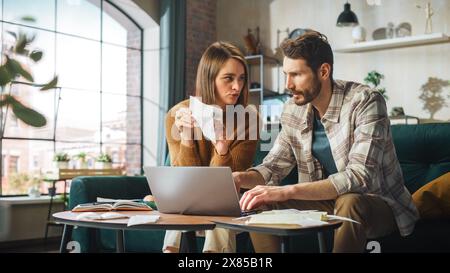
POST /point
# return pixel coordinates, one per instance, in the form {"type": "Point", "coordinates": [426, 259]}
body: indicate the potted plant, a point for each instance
{"type": "Point", "coordinates": [61, 160]}
{"type": "Point", "coordinates": [374, 78]}
{"type": "Point", "coordinates": [34, 189]}
{"type": "Point", "coordinates": [82, 160]}
{"type": "Point", "coordinates": [103, 161]}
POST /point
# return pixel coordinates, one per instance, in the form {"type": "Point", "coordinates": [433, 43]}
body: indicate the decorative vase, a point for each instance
{"type": "Point", "coordinates": [103, 165]}
{"type": "Point", "coordinates": [359, 34]}
{"type": "Point", "coordinates": [61, 164]}
{"type": "Point", "coordinates": [82, 165]}
{"type": "Point", "coordinates": [34, 192]}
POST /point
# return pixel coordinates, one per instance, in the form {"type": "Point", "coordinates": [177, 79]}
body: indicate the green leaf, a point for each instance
{"type": "Point", "coordinates": [36, 55]}
{"type": "Point", "coordinates": [5, 76]}
{"type": "Point", "coordinates": [51, 84]}
{"type": "Point", "coordinates": [28, 19]}
{"type": "Point", "coordinates": [21, 44]}
{"type": "Point", "coordinates": [16, 68]}
{"type": "Point", "coordinates": [28, 115]}
{"type": "Point", "coordinates": [12, 34]}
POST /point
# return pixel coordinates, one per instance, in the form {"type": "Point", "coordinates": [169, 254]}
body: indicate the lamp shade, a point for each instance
{"type": "Point", "coordinates": [347, 18]}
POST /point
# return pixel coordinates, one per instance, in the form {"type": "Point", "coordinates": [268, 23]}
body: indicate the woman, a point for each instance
{"type": "Point", "coordinates": [222, 80]}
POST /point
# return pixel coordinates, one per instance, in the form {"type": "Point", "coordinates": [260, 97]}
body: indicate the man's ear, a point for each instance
{"type": "Point", "coordinates": [324, 71]}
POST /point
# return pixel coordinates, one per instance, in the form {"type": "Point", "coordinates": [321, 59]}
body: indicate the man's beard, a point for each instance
{"type": "Point", "coordinates": [311, 94]}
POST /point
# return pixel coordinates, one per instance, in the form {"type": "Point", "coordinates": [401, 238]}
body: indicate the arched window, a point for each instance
{"type": "Point", "coordinates": [96, 51]}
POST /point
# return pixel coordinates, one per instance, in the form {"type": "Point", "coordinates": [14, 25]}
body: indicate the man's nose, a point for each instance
{"type": "Point", "coordinates": [289, 83]}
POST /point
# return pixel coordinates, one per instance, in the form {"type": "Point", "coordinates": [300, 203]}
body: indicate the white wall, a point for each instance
{"type": "Point", "coordinates": [405, 69]}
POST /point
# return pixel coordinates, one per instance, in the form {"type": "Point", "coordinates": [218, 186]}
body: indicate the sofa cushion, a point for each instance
{"type": "Point", "coordinates": [433, 199]}
{"type": "Point", "coordinates": [423, 152]}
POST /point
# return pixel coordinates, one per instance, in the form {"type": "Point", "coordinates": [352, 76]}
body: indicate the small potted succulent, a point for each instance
{"type": "Point", "coordinates": [81, 160]}
{"type": "Point", "coordinates": [103, 161]}
{"type": "Point", "coordinates": [61, 160]}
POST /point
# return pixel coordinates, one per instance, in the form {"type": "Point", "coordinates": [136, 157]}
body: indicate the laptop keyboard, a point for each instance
{"type": "Point", "coordinates": [249, 212]}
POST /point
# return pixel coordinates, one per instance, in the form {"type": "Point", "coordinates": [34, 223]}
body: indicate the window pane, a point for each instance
{"type": "Point", "coordinates": [121, 70]}
{"type": "Point", "coordinates": [78, 116]}
{"type": "Point", "coordinates": [125, 156]}
{"type": "Point", "coordinates": [44, 70]}
{"type": "Point", "coordinates": [73, 149]}
{"type": "Point", "coordinates": [78, 63]}
{"type": "Point", "coordinates": [40, 101]}
{"type": "Point", "coordinates": [43, 11]}
{"type": "Point", "coordinates": [121, 119]}
{"type": "Point", "coordinates": [23, 162]}
{"type": "Point", "coordinates": [79, 17]}
{"type": "Point", "coordinates": [118, 29]}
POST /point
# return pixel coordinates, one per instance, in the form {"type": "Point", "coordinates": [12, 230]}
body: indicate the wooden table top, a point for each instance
{"type": "Point", "coordinates": [280, 230]}
{"type": "Point", "coordinates": [165, 222]}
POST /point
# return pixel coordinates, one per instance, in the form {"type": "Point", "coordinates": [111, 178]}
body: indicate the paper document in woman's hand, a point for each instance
{"type": "Point", "coordinates": [205, 116]}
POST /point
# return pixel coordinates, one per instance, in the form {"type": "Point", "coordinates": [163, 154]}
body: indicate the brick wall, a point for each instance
{"type": "Point", "coordinates": [133, 114]}
{"type": "Point", "coordinates": [200, 33]}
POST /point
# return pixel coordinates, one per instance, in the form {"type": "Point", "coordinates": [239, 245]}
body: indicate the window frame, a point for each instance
{"type": "Point", "coordinates": [100, 42]}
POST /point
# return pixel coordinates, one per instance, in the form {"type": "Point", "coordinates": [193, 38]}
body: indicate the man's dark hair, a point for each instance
{"type": "Point", "coordinates": [313, 47]}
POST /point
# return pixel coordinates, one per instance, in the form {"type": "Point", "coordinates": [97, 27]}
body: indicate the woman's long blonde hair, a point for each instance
{"type": "Point", "coordinates": [215, 56]}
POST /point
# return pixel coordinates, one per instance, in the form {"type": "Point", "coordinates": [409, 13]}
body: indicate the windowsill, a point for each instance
{"type": "Point", "coordinates": [26, 200]}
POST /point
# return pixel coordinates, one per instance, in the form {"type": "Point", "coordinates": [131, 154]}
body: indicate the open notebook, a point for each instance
{"type": "Point", "coordinates": [124, 205]}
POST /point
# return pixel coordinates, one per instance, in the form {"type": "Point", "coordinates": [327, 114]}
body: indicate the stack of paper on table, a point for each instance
{"type": "Point", "coordinates": [304, 218]}
{"type": "Point", "coordinates": [288, 217]}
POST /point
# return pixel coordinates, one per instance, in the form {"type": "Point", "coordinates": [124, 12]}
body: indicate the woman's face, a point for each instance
{"type": "Point", "coordinates": [229, 83]}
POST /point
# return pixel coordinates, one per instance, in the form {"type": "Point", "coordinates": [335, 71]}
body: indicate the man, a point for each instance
{"type": "Point", "coordinates": [338, 135]}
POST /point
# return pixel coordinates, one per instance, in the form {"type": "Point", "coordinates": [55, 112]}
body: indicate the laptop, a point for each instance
{"type": "Point", "coordinates": [194, 190]}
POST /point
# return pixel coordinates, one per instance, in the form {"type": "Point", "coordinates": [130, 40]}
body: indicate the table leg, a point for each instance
{"type": "Point", "coordinates": [322, 244]}
{"type": "Point", "coordinates": [120, 241]}
{"type": "Point", "coordinates": [67, 235]}
{"type": "Point", "coordinates": [188, 242]}
{"type": "Point", "coordinates": [284, 244]}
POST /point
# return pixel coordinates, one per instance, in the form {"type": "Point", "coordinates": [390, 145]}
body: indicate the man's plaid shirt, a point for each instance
{"type": "Point", "coordinates": [358, 129]}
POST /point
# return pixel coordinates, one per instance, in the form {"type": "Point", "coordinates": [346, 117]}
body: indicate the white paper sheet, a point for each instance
{"type": "Point", "coordinates": [100, 216]}
{"type": "Point", "coordinates": [293, 216]}
{"type": "Point", "coordinates": [142, 219]}
{"type": "Point", "coordinates": [289, 216]}
{"type": "Point", "coordinates": [205, 116]}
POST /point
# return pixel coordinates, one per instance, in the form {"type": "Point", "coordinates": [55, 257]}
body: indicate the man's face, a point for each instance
{"type": "Point", "coordinates": [301, 81]}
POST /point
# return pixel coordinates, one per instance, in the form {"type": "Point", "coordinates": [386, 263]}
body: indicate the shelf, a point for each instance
{"type": "Point", "coordinates": [434, 38]}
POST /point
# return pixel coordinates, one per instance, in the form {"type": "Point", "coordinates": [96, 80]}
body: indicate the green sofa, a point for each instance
{"type": "Point", "coordinates": [423, 152]}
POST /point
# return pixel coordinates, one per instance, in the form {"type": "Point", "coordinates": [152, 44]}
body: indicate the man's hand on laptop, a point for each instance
{"type": "Point", "coordinates": [247, 180]}
{"type": "Point", "coordinates": [261, 195]}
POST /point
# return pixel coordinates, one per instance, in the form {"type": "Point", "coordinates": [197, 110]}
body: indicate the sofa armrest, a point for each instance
{"type": "Point", "coordinates": [85, 189]}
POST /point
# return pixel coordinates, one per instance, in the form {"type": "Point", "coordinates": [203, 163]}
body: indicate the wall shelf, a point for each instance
{"type": "Point", "coordinates": [433, 38]}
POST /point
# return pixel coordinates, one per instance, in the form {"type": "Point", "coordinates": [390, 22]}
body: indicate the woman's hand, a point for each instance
{"type": "Point", "coordinates": [222, 145]}
{"type": "Point", "coordinates": [185, 124]}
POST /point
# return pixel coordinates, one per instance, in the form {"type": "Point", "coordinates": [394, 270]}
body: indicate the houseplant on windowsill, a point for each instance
{"type": "Point", "coordinates": [103, 161]}
{"type": "Point", "coordinates": [81, 160]}
{"type": "Point", "coordinates": [61, 160]}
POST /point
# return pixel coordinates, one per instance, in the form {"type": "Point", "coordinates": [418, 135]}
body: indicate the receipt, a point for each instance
{"type": "Point", "coordinates": [206, 116]}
